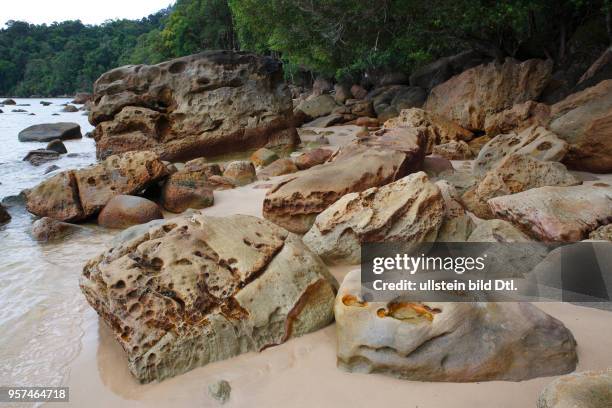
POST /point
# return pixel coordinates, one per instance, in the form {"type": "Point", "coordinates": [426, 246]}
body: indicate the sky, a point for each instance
{"type": "Point", "coordinates": [88, 11]}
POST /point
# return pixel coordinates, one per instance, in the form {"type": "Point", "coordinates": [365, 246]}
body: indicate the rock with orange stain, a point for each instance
{"type": "Point", "coordinates": [456, 342]}
{"type": "Point", "coordinates": [197, 289]}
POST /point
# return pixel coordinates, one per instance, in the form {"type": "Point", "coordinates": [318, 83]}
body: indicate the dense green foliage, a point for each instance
{"type": "Point", "coordinates": [334, 38]}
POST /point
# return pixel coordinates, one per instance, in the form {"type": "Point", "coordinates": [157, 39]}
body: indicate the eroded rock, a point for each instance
{"type": "Point", "coordinates": [603, 233]}
{"type": "Point", "coordinates": [277, 168]}
{"type": "Point", "coordinates": [561, 214]}
{"type": "Point", "coordinates": [410, 210]}
{"type": "Point", "coordinates": [455, 342]}
{"type": "Point", "coordinates": [589, 389]}
{"type": "Point", "coordinates": [48, 229]}
{"type": "Point", "coordinates": [468, 98]}
{"type": "Point", "coordinates": [517, 118]}
{"type": "Point", "coordinates": [497, 231]}
{"type": "Point", "coordinates": [199, 289]}
{"type": "Point", "coordinates": [240, 172]}
{"type": "Point", "coordinates": [312, 158]}
{"type": "Point", "coordinates": [205, 104]}
{"type": "Point", "coordinates": [454, 150]}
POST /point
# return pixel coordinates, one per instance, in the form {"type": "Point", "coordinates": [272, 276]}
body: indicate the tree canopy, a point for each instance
{"type": "Point", "coordinates": [333, 38]}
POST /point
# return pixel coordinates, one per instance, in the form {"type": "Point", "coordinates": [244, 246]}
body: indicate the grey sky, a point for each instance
{"type": "Point", "coordinates": [88, 11]}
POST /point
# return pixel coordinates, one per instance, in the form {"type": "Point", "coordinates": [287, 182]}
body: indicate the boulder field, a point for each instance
{"type": "Point", "coordinates": [201, 105]}
{"type": "Point", "coordinates": [198, 289]}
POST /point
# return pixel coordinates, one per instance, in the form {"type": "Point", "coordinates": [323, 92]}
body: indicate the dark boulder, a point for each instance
{"type": "Point", "coordinates": [47, 132]}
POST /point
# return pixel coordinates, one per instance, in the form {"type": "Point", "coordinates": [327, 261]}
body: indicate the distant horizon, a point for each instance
{"type": "Point", "coordinates": [89, 13]}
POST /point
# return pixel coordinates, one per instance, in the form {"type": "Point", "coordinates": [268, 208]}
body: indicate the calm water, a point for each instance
{"type": "Point", "coordinates": [41, 308]}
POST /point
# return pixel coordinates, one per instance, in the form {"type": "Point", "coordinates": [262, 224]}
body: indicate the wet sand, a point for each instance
{"type": "Point", "coordinates": [302, 372]}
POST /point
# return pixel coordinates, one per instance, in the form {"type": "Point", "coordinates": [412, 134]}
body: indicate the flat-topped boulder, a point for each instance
{"type": "Point", "coordinates": [74, 195]}
{"type": "Point", "coordinates": [205, 104]}
{"type": "Point", "coordinates": [588, 389]}
{"type": "Point", "coordinates": [454, 342]}
{"type": "Point", "coordinates": [295, 201]}
{"type": "Point", "coordinates": [558, 214]}
{"type": "Point", "coordinates": [516, 173]}
{"type": "Point", "coordinates": [46, 132]}
{"type": "Point", "coordinates": [198, 289]}
{"type": "Point", "coordinates": [410, 210]}
{"type": "Point", "coordinates": [468, 98]}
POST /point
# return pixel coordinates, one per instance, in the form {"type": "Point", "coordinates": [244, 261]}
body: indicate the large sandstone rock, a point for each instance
{"type": "Point", "coordinates": [312, 158]}
{"type": "Point", "coordinates": [589, 389]}
{"type": "Point", "coordinates": [123, 211]}
{"type": "Point", "coordinates": [189, 187]}
{"type": "Point", "coordinates": [408, 210]}
{"type": "Point", "coordinates": [456, 342]}
{"type": "Point", "coordinates": [437, 129]}
{"type": "Point", "coordinates": [295, 202]}
{"type": "Point", "coordinates": [471, 96]}
{"type": "Point", "coordinates": [240, 172]}
{"type": "Point", "coordinates": [199, 105]}
{"type": "Point", "coordinates": [516, 173]}
{"type": "Point", "coordinates": [279, 167]}
{"type": "Point", "coordinates": [535, 141]}
{"type": "Point", "coordinates": [603, 233]}
{"type": "Point", "coordinates": [584, 120]}
{"type": "Point", "coordinates": [74, 195]}
{"type": "Point", "coordinates": [389, 101]}
{"type": "Point", "coordinates": [262, 157]}
{"type": "Point", "coordinates": [200, 289]}
{"type": "Point", "coordinates": [437, 72]}
{"type": "Point", "coordinates": [557, 213]}
{"type": "Point", "coordinates": [455, 150]}
{"type": "Point", "coordinates": [46, 132]}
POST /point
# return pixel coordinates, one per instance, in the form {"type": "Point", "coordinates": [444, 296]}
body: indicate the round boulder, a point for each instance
{"type": "Point", "coordinates": [48, 229]}
{"type": "Point", "coordinates": [240, 172]}
{"type": "Point", "coordinates": [70, 109]}
{"type": "Point", "coordinates": [123, 211]}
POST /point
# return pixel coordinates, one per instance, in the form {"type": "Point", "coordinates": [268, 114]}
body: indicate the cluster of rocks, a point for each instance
{"type": "Point", "coordinates": [194, 289]}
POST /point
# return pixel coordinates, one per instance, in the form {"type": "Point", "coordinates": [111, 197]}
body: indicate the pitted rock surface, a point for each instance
{"type": "Point", "coordinates": [198, 289]}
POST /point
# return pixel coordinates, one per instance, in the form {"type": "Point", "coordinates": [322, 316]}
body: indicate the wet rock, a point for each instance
{"type": "Point", "coordinates": [220, 390]}
{"type": "Point", "coordinates": [48, 229]}
{"type": "Point", "coordinates": [517, 118]}
{"type": "Point", "coordinates": [584, 120]}
{"type": "Point", "coordinates": [456, 226]}
{"type": "Point", "coordinates": [454, 150]}
{"type": "Point", "coordinates": [4, 215]}
{"type": "Point", "coordinates": [70, 109]}
{"type": "Point", "coordinates": [408, 210]}
{"type": "Point", "coordinates": [57, 146]}
{"type": "Point", "coordinates": [454, 342]}
{"type": "Point", "coordinates": [535, 141]}
{"type": "Point", "coordinates": [262, 157]}
{"type": "Point", "coordinates": [312, 158]}
{"type": "Point", "coordinates": [515, 173]}
{"type": "Point", "coordinates": [371, 162]}
{"type": "Point", "coordinates": [9, 102]}
{"type": "Point", "coordinates": [437, 129]}
{"type": "Point", "coordinates": [41, 156]}
{"type": "Point", "coordinates": [78, 194]}
{"type": "Point", "coordinates": [19, 111]}
{"type": "Point", "coordinates": [557, 214]}
{"type": "Point", "coordinates": [318, 106]}
{"type": "Point", "coordinates": [47, 132]}
{"type": "Point", "coordinates": [123, 211]}
{"type": "Point", "coordinates": [603, 233]}
{"type": "Point", "coordinates": [51, 168]}
{"type": "Point", "coordinates": [199, 289]}
{"type": "Point", "coordinates": [206, 104]}
{"type": "Point", "coordinates": [45, 103]}
{"type": "Point", "coordinates": [277, 168]}
{"type": "Point", "coordinates": [240, 172]}
{"type": "Point", "coordinates": [471, 96]}
{"type": "Point", "coordinates": [589, 389]}
{"type": "Point", "coordinates": [129, 173]}
{"type": "Point", "coordinates": [82, 98]}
